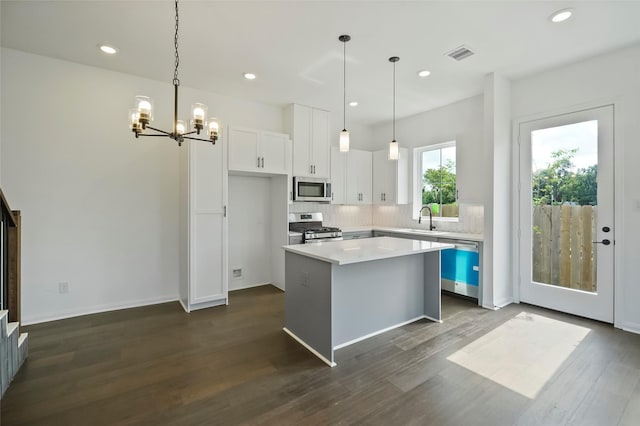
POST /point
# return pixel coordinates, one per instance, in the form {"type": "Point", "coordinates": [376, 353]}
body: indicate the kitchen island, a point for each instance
{"type": "Point", "coordinates": [341, 292]}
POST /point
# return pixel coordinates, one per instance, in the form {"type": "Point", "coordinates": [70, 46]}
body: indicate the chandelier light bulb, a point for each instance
{"type": "Point", "coordinates": [214, 127]}
{"type": "Point", "coordinates": [144, 105]}
{"type": "Point", "coordinates": [134, 120]}
{"type": "Point", "coordinates": [180, 127]}
{"type": "Point", "coordinates": [198, 114]}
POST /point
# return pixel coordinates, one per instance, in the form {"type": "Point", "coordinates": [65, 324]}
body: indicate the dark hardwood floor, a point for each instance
{"type": "Point", "coordinates": [232, 365]}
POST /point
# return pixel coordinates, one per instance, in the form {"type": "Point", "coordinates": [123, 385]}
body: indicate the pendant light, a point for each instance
{"type": "Point", "coordinates": [344, 134]}
{"type": "Point", "coordinates": [393, 145]}
{"type": "Point", "coordinates": [142, 115]}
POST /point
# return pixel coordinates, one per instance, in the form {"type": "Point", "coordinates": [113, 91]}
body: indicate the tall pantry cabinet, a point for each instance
{"type": "Point", "coordinates": [203, 273]}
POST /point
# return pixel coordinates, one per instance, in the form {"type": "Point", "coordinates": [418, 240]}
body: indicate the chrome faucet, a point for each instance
{"type": "Point", "coordinates": [431, 227]}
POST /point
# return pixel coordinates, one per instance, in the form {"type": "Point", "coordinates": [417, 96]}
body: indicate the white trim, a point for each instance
{"type": "Point", "coordinates": [185, 307]}
{"type": "Point", "coordinates": [432, 319]}
{"type": "Point", "coordinates": [384, 330]}
{"type": "Point", "coordinates": [249, 286]}
{"type": "Point", "coordinates": [309, 348]}
{"type": "Point", "coordinates": [211, 304]}
{"type": "Point", "coordinates": [631, 328]}
{"type": "Point", "coordinates": [98, 309]}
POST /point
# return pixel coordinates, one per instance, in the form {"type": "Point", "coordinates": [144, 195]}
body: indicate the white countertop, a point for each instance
{"type": "Point", "coordinates": [418, 232]}
{"type": "Point", "coordinates": [364, 250]}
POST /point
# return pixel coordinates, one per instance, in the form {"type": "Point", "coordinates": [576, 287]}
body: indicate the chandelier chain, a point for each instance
{"type": "Point", "coordinates": [176, 81]}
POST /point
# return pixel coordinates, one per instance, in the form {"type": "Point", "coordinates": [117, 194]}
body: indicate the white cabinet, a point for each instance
{"type": "Point", "coordinates": [351, 176]}
{"type": "Point", "coordinates": [391, 178]}
{"type": "Point", "coordinates": [259, 151]}
{"type": "Point", "coordinates": [359, 169]}
{"type": "Point", "coordinates": [309, 128]}
{"type": "Point", "coordinates": [203, 272]}
{"type": "Point", "coordinates": [338, 176]}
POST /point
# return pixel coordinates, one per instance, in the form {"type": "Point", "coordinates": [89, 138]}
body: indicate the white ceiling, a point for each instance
{"type": "Point", "coordinates": [293, 46]}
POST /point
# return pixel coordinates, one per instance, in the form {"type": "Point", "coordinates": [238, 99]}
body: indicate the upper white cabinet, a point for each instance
{"type": "Point", "coordinates": [203, 225]}
{"type": "Point", "coordinates": [391, 178]}
{"type": "Point", "coordinates": [338, 176]}
{"type": "Point", "coordinates": [309, 128]}
{"type": "Point", "coordinates": [259, 151]}
{"type": "Point", "coordinates": [358, 177]}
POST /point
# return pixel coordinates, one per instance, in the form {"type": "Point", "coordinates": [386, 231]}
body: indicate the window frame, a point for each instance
{"type": "Point", "coordinates": [417, 178]}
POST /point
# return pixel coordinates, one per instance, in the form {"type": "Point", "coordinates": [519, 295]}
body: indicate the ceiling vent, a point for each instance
{"type": "Point", "coordinates": [459, 53]}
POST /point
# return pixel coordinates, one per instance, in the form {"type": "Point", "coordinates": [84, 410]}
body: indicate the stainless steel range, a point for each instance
{"type": "Point", "coordinates": [310, 229]}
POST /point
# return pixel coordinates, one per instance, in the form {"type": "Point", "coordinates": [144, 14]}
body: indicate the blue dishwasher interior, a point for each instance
{"type": "Point", "coordinates": [460, 271]}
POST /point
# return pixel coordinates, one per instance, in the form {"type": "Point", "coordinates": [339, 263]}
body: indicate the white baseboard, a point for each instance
{"type": "Point", "coordinates": [384, 330]}
{"type": "Point", "coordinates": [631, 328]}
{"type": "Point", "coordinates": [248, 286]}
{"type": "Point", "coordinates": [210, 304]}
{"type": "Point", "coordinates": [309, 348]}
{"type": "Point", "coordinates": [54, 316]}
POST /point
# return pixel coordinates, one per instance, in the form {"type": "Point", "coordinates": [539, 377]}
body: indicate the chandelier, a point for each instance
{"type": "Point", "coordinates": [142, 114]}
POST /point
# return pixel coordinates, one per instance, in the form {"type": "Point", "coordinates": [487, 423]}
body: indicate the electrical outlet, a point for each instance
{"type": "Point", "coordinates": [63, 287]}
{"type": "Point", "coordinates": [237, 273]}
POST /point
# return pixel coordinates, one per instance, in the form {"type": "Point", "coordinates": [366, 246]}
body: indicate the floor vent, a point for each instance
{"type": "Point", "coordinates": [461, 52]}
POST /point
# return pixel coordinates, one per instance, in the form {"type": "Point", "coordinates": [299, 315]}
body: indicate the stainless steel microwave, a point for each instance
{"type": "Point", "coordinates": [311, 189]}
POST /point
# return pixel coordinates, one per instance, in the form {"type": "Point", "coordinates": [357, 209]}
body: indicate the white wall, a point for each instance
{"type": "Point", "coordinates": [497, 275]}
{"type": "Point", "coordinates": [100, 208]}
{"type": "Point", "coordinates": [611, 78]}
{"type": "Point", "coordinates": [249, 230]}
{"type": "Point", "coordinates": [460, 121]}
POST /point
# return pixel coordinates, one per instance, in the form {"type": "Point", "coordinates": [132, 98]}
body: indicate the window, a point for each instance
{"type": "Point", "coordinates": [436, 179]}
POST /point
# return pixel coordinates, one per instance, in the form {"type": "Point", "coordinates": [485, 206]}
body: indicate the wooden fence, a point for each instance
{"type": "Point", "coordinates": [563, 249]}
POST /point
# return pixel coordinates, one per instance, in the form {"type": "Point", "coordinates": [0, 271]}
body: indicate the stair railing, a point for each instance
{"type": "Point", "coordinates": [10, 259]}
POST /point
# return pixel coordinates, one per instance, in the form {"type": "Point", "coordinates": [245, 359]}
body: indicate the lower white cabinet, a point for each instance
{"type": "Point", "coordinates": [203, 230]}
{"type": "Point", "coordinates": [259, 151]}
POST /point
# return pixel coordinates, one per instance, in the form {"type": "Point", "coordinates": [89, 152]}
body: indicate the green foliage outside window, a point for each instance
{"type": "Point", "coordinates": [557, 183]}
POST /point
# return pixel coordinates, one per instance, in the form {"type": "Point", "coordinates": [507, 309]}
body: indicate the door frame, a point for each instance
{"type": "Point", "coordinates": [619, 109]}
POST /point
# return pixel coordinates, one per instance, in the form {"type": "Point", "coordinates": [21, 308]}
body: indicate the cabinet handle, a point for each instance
{"type": "Point", "coordinates": [258, 162]}
{"type": "Point", "coordinates": [291, 195]}
{"type": "Point", "coordinates": [332, 196]}
{"type": "Point", "coordinates": [263, 162]}
{"type": "Point", "coordinates": [225, 212]}
{"type": "Point", "coordinates": [311, 169]}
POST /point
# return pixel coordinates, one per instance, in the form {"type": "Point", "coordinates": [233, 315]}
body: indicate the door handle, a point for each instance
{"type": "Point", "coordinates": [604, 242]}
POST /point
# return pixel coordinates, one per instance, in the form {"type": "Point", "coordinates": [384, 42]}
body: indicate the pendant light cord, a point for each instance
{"type": "Point", "coordinates": [394, 101]}
{"type": "Point", "coordinates": [176, 81]}
{"type": "Point", "coordinates": [344, 87]}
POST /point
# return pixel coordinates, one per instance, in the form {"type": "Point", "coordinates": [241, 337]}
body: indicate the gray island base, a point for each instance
{"type": "Point", "coordinates": [341, 292]}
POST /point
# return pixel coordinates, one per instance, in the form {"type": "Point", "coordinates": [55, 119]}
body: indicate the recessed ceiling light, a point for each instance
{"type": "Point", "coordinates": [561, 15]}
{"type": "Point", "coordinates": [353, 103]}
{"type": "Point", "coordinates": [249, 76]}
{"type": "Point", "coordinates": [424, 73]}
{"type": "Point", "coordinates": [109, 50]}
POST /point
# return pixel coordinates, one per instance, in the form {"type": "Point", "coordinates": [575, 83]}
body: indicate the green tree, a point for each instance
{"type": "Point", "coordinates": [439, 185]}
{"type": "Point", "coordinates": [557, 183]}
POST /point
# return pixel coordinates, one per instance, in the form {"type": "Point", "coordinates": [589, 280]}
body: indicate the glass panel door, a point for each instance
{"type": "Point", "coordinates": [566, 213]}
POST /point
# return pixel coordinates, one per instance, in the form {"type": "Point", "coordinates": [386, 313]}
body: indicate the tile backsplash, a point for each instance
{"type": "Point", "coordinates": [337, 215]}
{"type": "Point", "coordinates": [471, 218]}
